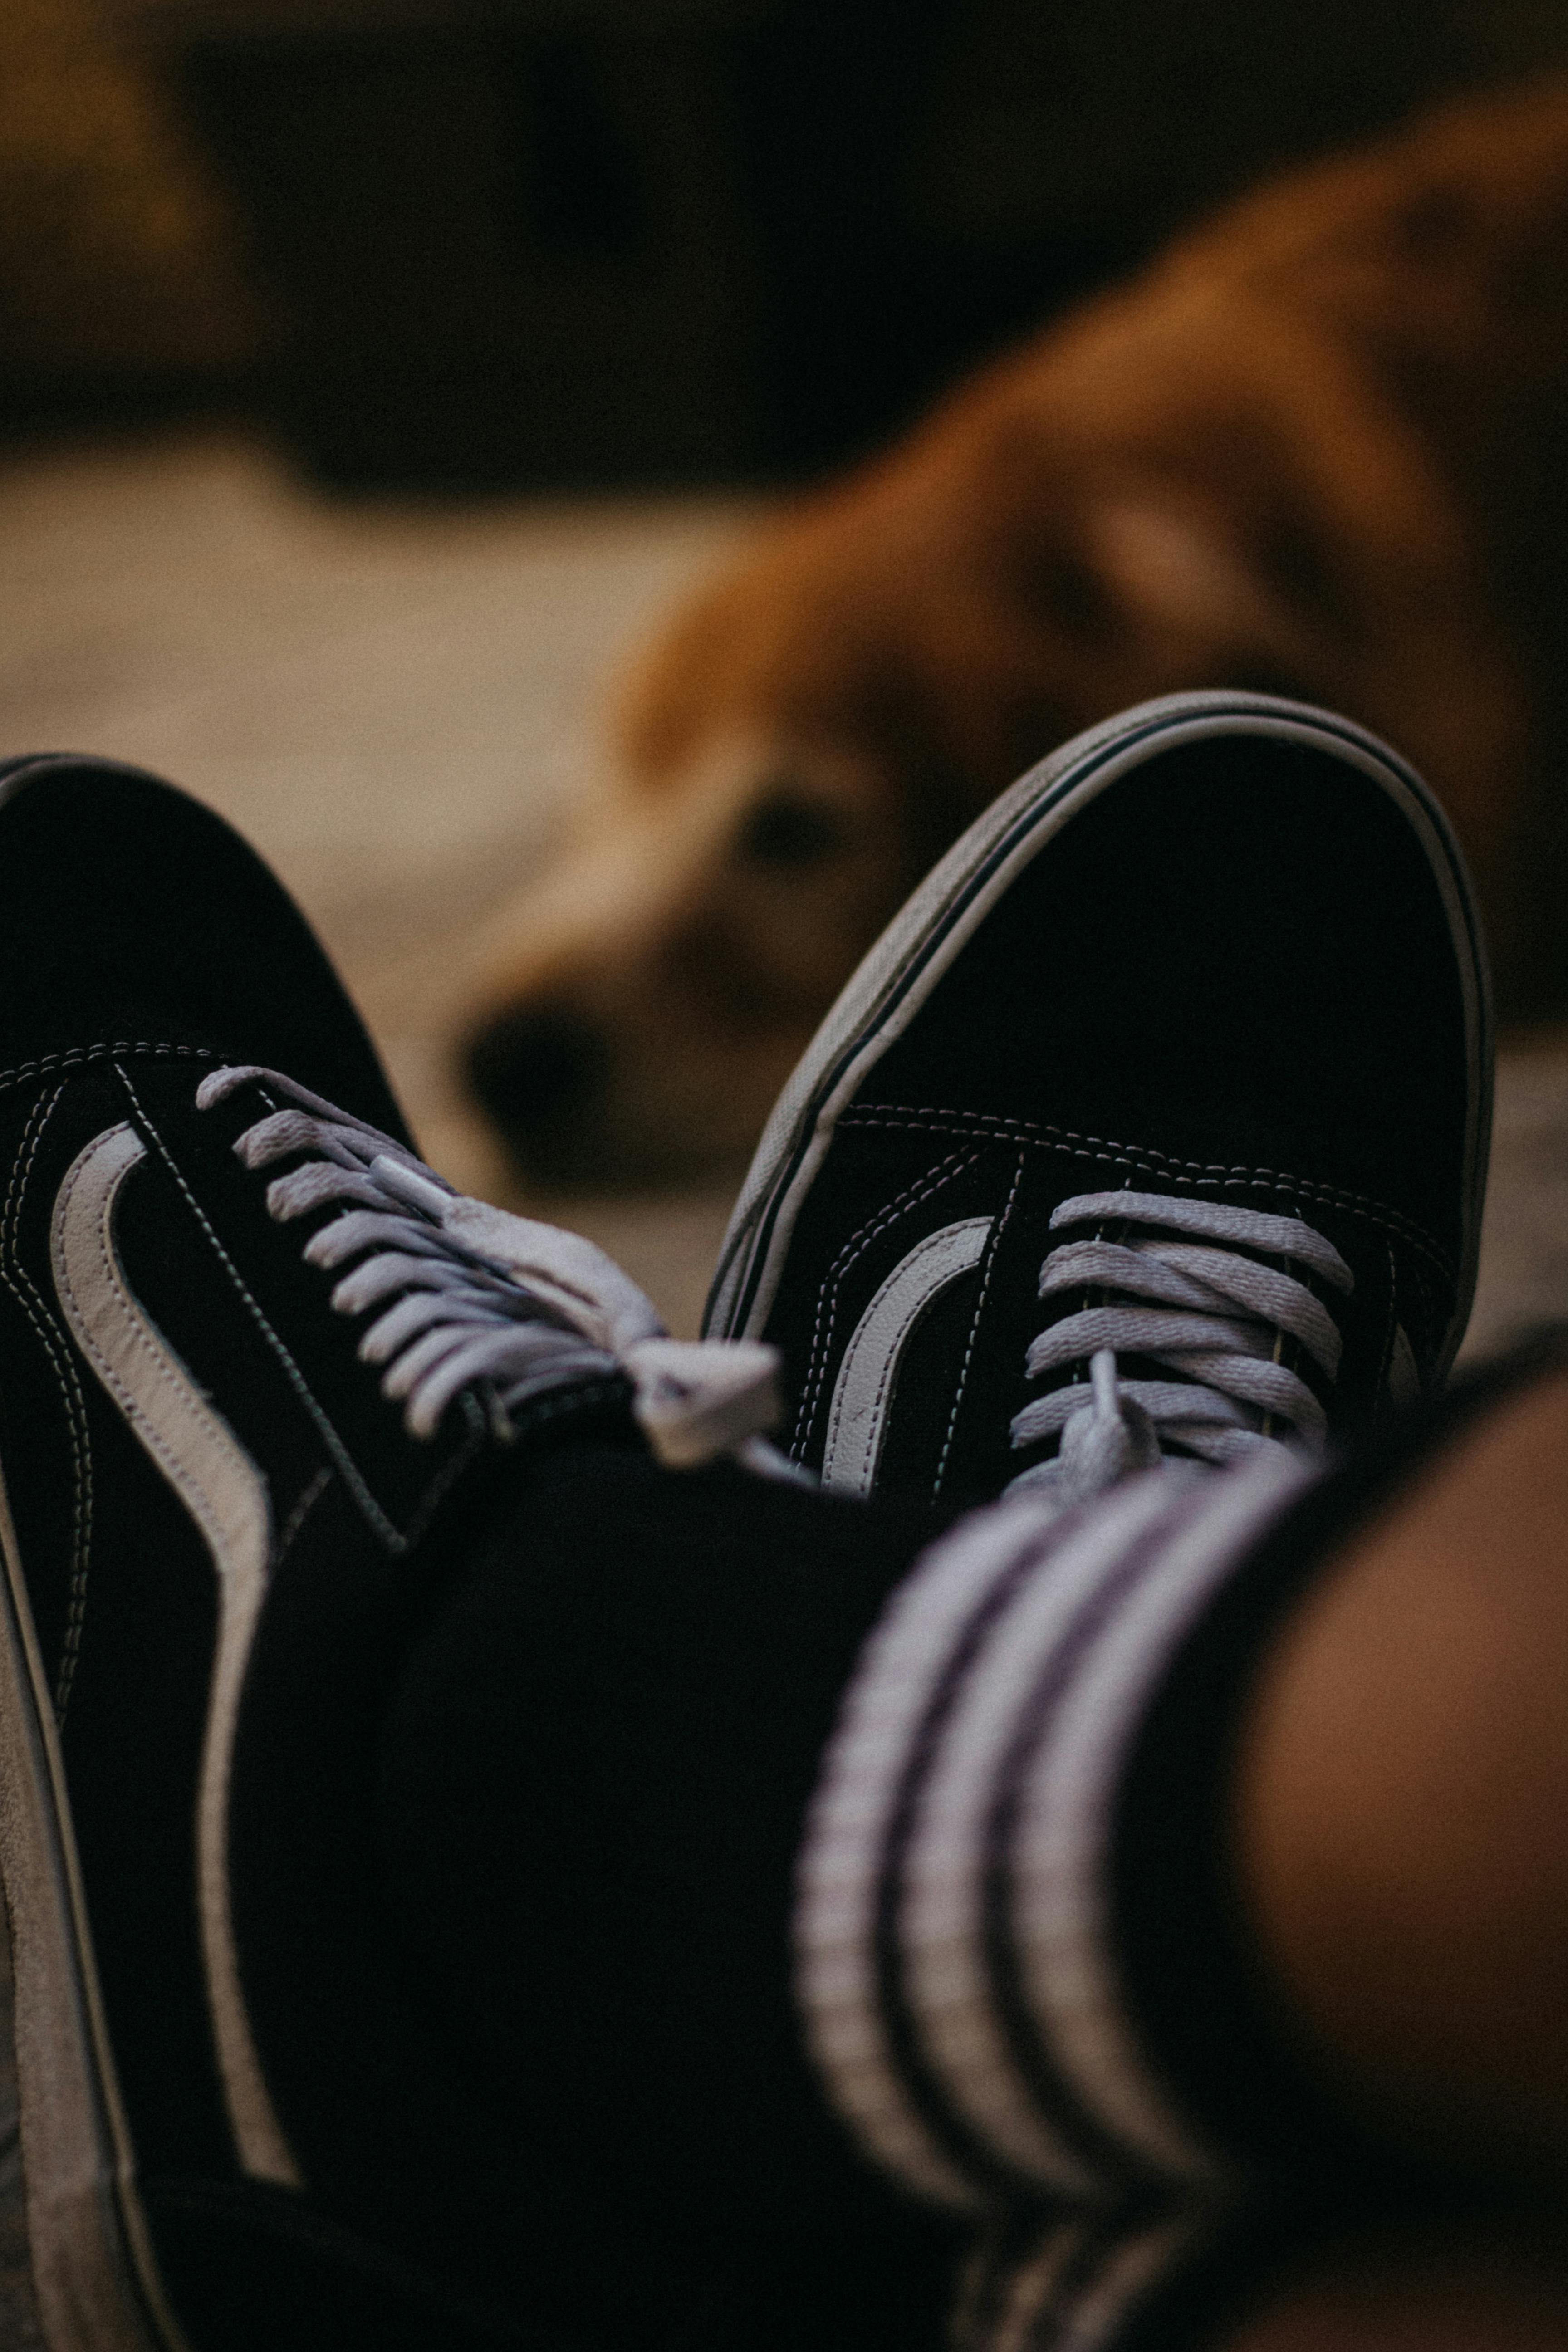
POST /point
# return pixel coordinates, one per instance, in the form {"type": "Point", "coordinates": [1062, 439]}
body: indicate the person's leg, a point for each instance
{"type": "Point", "coordinates": [1401, 1799]}
{"type": "Point", "coordinates": [593, 1774]}
{"type": "Point", "coordinates": [1398, 1810]}
{"type": "Point", "coordinates": [1458, 2285]}
{"type": "Point", "coordinates": [314, 1551]}
{"type": "Point", "coordinates": [591, 1789]}
{"type": "Point", "coordinates": [1063, 1909]}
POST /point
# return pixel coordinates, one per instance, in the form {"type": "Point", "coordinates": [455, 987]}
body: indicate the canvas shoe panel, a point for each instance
{"type": "Point", "coordinates": [121, 903]}
{"type": "Point", "coordinates": [215, 1526]}
{"type": "Point", "coordinates": [1220, 951]}
{"type": "Point", "coordinates": [122, 895]}
{"type": "Point", "coordinates": [911, 1346]}
{"type": "Point", "coordinates": [220, 1532]}
{"type": "Point", "coordinates": [213, 1599]}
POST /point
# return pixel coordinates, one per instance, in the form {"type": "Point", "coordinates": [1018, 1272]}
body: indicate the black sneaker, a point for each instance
{"type": "Point", "coordinates": [258, 1370]}
{"type": "Point", "coordinates": [1156, 1125]}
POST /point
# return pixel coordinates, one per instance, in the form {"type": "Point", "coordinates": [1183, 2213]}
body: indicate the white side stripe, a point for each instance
{"type": "Point", "coordinates": [867, 1375]}
{"type": "Point", "coordinates": [225, 1495]}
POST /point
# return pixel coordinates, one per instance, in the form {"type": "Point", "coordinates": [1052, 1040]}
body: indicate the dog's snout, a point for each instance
{"type": "Point", "coordinates": [535, 1064]}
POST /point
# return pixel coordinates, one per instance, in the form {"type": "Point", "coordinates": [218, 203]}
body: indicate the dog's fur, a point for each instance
{"type": "Point", "coordinates": [1319, 448]}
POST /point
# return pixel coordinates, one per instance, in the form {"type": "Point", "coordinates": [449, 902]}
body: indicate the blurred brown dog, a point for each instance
{"type": "Point", "coordinates": [1319, 448]}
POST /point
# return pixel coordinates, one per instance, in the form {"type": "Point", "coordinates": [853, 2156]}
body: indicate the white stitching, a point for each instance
{"type": "Point", "coordinates": [858, 1241]}
{"type": "Point", "coordinates": [76, 1056]}
{"type": "Point", "coordinates": [998, 1231]}
{"type": "Point", "coordinates": [357, 1486]}
{"type": "Point", "coordinates": [226, 1496]}
{"type": "Point", "coordinates": [456, 1461]}
{"type": "Point", "coordinates": [912, 1314]}
{"type": "Point", "coordinates": [63, 1365]}
{"type": "Point", "coordinates": [194, 1414]}
{"type": "Point", "coordinates": [921, 1189]}
{"type": "Point", "coordinates": [979, 1124]}
{"type": "Point", "coordinates": [395, 1542]}
{"type": "Point", "coordinates": [301, 1512]}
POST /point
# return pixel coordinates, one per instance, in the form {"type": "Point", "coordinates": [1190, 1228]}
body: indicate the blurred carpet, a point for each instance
{"type": "Point", "coordinates": [393, 703]}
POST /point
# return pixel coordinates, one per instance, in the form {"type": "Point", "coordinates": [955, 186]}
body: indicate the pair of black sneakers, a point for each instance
{"type": "Point", "coordinates": [1154, 1128]}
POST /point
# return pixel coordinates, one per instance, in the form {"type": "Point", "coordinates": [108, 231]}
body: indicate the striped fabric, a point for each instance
{"type": "Point", "coordinates": [1069, 2282]}
{"type": "Point", "coordinates": [955, 1960]}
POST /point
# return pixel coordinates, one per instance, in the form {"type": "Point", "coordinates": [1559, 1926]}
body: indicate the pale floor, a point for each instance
{"type": "Point", "coordinates": [394, 702]}
{"type": "Point", "coordinates": [391, 701]}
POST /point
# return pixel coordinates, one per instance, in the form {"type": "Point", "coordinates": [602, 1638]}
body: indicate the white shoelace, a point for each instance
{"type": "Point", "coordinates": [474, 1297]}
{"type": "Point", "coordinates": [1217, 1318]}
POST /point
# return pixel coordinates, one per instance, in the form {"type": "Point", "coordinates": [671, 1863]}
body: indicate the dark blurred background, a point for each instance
{"type": "Point", "coordinates": [374, 374]}
{"type": "Point", "coordinates": [473, 245]}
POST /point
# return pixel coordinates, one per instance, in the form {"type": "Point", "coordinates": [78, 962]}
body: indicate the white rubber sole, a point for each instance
{"type": "Point", "coordinates": [95, 2277]}
{"type": "Point", "coordinates": [899, 972]}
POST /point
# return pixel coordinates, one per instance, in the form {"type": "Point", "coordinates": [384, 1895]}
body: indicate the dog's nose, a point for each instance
{"type": "Point", "coordinates": [535, 1066]}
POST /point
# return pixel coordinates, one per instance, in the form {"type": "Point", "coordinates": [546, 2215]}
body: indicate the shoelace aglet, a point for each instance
{"type": "Point", "coordinates": [1111, 1438]}
{"type": "Point", "coordinates": [1107, 1388]}
{"type": "Point", "coordinates": [408, 1185]}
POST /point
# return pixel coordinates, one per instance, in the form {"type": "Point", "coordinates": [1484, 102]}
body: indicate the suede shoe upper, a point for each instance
{"type": "Point", "coordinates": [1180, 1058]}
{"type": "Point", "coordinates": [264, 1381]}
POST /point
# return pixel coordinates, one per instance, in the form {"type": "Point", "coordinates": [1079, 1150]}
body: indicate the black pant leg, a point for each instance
{"type": "Point", "coordinates": [593, 1780]}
